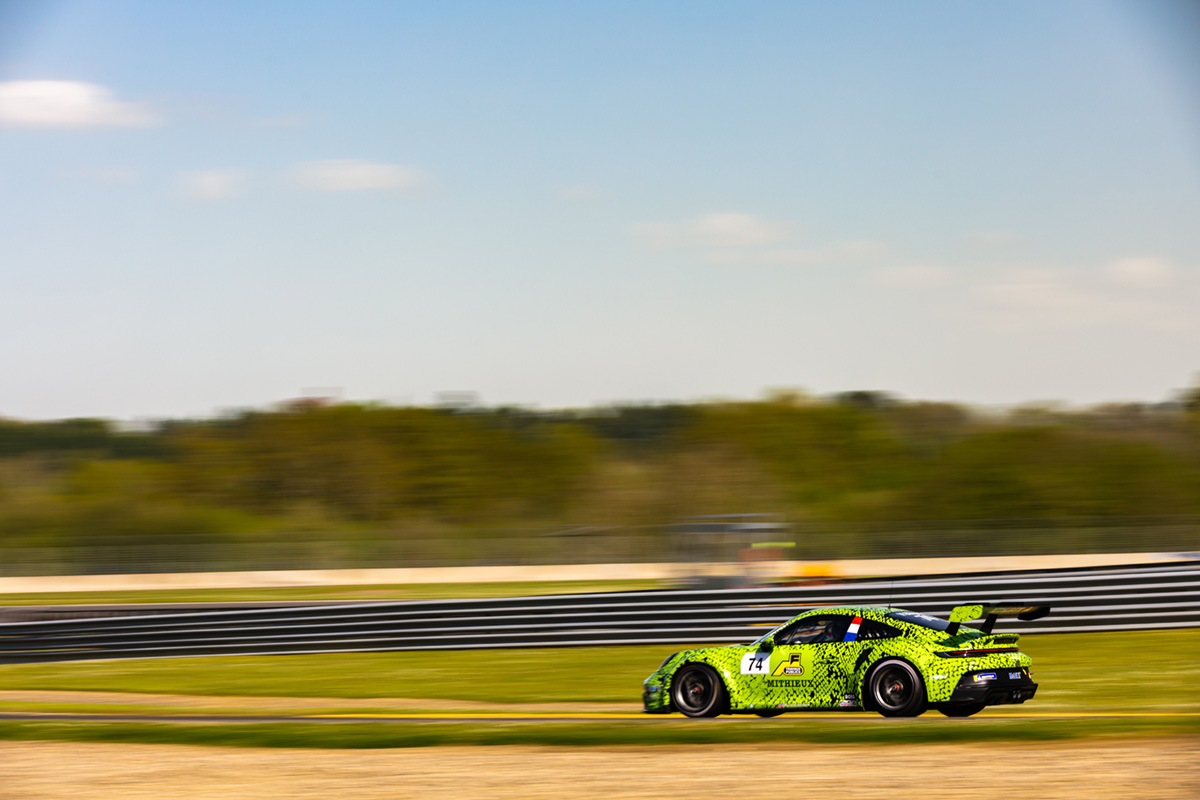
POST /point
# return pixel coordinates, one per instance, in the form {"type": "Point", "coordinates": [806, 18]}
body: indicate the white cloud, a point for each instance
{"type": "Point", "coordinates": [916, 276]}
{"type": "Point", "coordinates": [1140, 273]}
{"type": "Point", "coordinates": [713, 230]}
{"type": "Point", "coordinates": [1061, 299]}
{"type": "Point", "coordinates": [352, 175]}
{"type": "Point", "coordinates": [67, 104]}
{"type": "Point", "coordinates": [847, 252]}
{"type": "Point", "coordinates": [210, 185]}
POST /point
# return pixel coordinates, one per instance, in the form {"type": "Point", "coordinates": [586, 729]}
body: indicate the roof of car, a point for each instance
{"type": "Point", "coordinates": [859, 611]}
{"type": "Point", "coordinates": [880, 613]}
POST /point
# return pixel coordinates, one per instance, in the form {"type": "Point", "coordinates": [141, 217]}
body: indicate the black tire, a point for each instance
{"type": "Point", "coordinates": [769, 712]}
{"type": "Point", "coordinates": [896, 689]}
{"type": "Point", "coordinates": [962, 709]}
{"type": "Point", "coordinates": [697, 691]}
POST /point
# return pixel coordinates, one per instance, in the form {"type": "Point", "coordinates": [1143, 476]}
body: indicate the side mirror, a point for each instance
{"type": "Point", "coordinates": [766, 645]}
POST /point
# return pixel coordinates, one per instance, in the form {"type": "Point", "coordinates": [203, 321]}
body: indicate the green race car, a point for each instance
{"type": "Point", "coordinates": [896, 662]}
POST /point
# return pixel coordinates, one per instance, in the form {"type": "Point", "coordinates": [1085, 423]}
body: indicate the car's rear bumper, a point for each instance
{"type": "Point", "coordinates": [994, 687]}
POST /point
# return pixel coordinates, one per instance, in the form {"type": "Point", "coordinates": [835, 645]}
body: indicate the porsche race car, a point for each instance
{"type": "Point", "coordinates": [897, 663]}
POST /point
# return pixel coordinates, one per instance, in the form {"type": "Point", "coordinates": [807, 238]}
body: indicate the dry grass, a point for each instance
{"type": "Point", "coordinates": [1087, 770]}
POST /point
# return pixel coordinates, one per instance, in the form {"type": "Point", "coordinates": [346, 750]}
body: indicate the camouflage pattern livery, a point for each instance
{"type": "Point", "coordinates": [850, 659]}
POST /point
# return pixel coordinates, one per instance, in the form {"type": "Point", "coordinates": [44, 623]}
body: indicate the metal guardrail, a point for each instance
{"type": "Point", "coordinates": [1095, 599]}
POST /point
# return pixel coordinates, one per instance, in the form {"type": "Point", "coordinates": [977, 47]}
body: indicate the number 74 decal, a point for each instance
{"type": "Point", "coordinates": [756, 664]}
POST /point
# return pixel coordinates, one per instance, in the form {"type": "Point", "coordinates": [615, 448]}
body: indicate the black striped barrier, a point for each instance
{"type": "Point", "coordinates": [1160, 596]}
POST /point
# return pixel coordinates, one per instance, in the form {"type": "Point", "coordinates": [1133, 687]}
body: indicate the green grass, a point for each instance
{"type": "Point", "coordinates": [413, 591]}
{"type": "Point", "coordinates": [591, 674]}
{"type": "Point", "coordinates": [647, 733]}
{"type": "Point", "coordinates": [298, 709]}
{"type": "Point", "coordinates": [1140, 672]}
{"type": "Point", "coordinates": [1144, 671]}
{"type": "Point", "coordinates": [1149, 671]}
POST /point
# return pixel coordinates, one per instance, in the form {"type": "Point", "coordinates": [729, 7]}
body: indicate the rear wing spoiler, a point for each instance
{"type": "Point", "coordinates": [993, 612]}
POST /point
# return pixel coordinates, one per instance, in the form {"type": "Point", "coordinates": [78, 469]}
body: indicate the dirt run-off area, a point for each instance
{"type": "Point", "coordinates": [1088, 770]}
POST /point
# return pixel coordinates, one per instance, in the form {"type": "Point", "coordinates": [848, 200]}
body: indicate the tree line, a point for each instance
{"type": "Point", "coordinates": [848, 469]}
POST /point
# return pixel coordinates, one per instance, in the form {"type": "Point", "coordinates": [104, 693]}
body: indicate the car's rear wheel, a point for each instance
{"type": "Point", "coordinates": [769, 712]}
{"type": "Point", "coordinates": [698, 691]}
{"type": "Point", "coordinates": [962, 709]}
{"type": "Point", "coordinates": [896, 689]}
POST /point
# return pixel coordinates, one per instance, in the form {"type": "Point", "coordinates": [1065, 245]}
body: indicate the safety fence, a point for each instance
{"type": "Point", "coordinates": [1095, 599]}
{"type": "Point", "coordinates": [91, 553]}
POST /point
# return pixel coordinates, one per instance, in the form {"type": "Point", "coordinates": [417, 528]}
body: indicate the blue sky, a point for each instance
{"type": "Point", "coordinates": [215, 205]}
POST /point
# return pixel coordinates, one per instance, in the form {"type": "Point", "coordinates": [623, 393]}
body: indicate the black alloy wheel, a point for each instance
{"type": "Point", "coordinates": [897, 689]}
{"type": "Point", "coordinates": [698, 692]}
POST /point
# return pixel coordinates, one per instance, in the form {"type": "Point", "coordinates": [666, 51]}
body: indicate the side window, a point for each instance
{"type": "Point", "coordinates": [814, 630]}
{"type": "Point", "coordinates": [876, 630]}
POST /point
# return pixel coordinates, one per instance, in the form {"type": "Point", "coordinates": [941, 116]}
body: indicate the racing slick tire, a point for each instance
{"type": "Point", "coordinates": [895, 689]}
{"type": "Point", "coordinates": [962, 709]}
{"type": "Point", "coordinates": [697, 691]}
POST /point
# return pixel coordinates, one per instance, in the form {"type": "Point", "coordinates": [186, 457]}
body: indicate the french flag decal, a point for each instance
{"type": "Point", "coordinates": [852, 632]}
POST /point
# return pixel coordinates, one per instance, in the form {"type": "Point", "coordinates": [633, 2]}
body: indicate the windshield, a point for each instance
{"type": "Point", "coordinates": [924, 620]}
{"type": "Point", "coordinates": [813, 629]}
{"type": "Point", "coordinates": [769, 634]}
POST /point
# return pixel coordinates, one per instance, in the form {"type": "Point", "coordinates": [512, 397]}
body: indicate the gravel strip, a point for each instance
{"type": "Point", "coordinates": [1164, 769]}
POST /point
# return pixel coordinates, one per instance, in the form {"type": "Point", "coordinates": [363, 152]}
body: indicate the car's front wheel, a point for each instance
{"type": "Point", "coordinates": [698, 691]}
{"type": "Point", "coordinates": [896, 689]}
